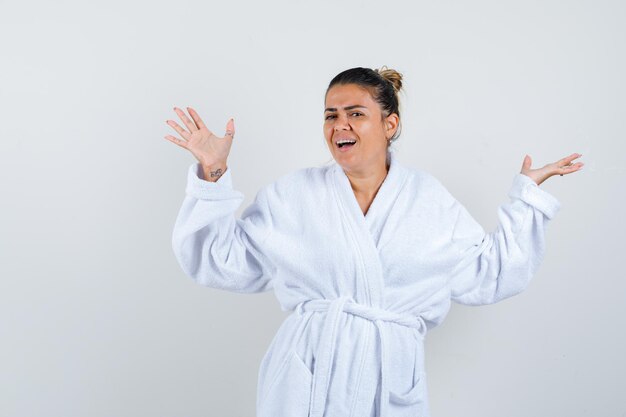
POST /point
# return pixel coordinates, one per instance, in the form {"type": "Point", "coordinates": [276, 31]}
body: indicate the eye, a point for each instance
{"type": "Point", "coordinates": [356, 112]}
{"type": "Point", "coordinates": [329, 116]}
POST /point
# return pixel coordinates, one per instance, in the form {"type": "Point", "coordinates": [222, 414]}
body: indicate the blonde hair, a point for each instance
{"type": "Point", "coordinates": [391, 75]}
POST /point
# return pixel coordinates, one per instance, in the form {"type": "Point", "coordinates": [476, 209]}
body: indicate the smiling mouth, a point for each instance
{"type": "Point", "coordinates": [346, 144]}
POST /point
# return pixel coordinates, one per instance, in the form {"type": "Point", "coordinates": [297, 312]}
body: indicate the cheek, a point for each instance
{"type": "Point", "coordinates": [328, 132]}
{"type": "Point", "coordinates": [368, 130]}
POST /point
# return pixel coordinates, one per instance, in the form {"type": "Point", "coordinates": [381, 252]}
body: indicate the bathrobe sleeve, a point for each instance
{"type": "Point", "coordinates": [215, 248]}
{"type": "Point", "coordinates": [493, 266]}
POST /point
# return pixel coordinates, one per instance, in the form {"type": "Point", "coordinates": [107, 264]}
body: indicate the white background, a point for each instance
{"type": "Point", "coordinates": [98, 319]}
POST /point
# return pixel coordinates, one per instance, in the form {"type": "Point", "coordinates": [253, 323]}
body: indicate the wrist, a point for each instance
{"type": "Point", "coordinates": [213, 172]}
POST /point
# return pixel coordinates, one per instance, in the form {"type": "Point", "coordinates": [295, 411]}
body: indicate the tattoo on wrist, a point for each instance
{"type": "Point", "coordinates": [216, 173]}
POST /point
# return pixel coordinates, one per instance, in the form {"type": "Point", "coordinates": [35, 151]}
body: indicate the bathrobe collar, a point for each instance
{"type": "Point", "coordinates": [367, 229]}
{"type": "Point", "coordinates": [387, 191]}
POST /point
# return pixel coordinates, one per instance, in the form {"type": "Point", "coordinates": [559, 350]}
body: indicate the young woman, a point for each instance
{"type": "Point", "coordinates": [367, 253]}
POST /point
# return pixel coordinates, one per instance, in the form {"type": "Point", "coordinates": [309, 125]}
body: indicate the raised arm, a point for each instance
{"type": "Point", "coordinates": [215, 248]}
{"type": "Point", "coordinates": [497, 265]}
{"type": "Point", "coordinates": [211, 245]}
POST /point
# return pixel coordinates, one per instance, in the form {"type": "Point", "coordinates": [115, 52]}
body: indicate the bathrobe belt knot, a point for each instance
{"type": "Point", "coordinates": [326, 348]}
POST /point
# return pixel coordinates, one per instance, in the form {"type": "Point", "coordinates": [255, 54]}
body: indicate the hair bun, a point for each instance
{"type": "Point", "coordinates": [391, 75]}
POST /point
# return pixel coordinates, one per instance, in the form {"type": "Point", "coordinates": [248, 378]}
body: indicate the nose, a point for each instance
{"type": "Point", "coordinates": [341, 123]}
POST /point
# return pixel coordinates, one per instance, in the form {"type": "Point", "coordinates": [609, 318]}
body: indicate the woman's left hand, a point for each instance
{"type": "Point", "coordinates": [561, 167]}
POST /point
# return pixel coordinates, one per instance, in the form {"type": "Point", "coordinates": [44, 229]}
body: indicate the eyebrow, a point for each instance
{"type": "Point", "coordinates": [354, 106]}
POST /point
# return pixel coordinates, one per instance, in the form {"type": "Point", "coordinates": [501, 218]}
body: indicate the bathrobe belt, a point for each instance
{"type": "Point", "coordinates": [326, 347]}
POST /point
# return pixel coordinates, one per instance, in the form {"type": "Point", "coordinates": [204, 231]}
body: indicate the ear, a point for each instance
{"type": "Point", "coordinates": [391, 124]}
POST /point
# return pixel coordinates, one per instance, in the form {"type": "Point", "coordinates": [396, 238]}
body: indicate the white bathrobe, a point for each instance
{"type": "Point", "coordinates": [363, 290]}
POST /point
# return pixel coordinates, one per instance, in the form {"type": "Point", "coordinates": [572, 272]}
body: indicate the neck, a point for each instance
{"type": "Point", "coordinates": [367, 181]}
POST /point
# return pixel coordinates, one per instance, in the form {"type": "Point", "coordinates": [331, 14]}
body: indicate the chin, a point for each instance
{"type": "Point", "coordinates": [346, 162]}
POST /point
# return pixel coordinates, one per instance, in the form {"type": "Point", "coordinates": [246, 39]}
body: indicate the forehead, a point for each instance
{"type": "Point", "coordinates": [339, 96]}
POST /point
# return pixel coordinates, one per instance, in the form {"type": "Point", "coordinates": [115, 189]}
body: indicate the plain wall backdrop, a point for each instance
{"type": "Point", "coordinates": [98, 319]}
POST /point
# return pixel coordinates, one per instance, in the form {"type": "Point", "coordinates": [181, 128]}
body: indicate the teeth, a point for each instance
{"type": "Point", "coordinates": [341, 142]}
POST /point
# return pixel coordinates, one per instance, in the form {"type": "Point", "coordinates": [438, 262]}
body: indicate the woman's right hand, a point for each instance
{"type": "Point", "coordinates": [209, 149]}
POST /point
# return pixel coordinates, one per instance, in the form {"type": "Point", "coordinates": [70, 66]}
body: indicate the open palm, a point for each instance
{"type": "Point", "coordinates": [208, 148]}
{"type": "Point", "coordinates": [561, 167]}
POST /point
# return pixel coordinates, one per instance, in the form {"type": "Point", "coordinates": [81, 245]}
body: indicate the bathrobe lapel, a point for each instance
{"type": "Point", "coordinates": [368, 229]}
